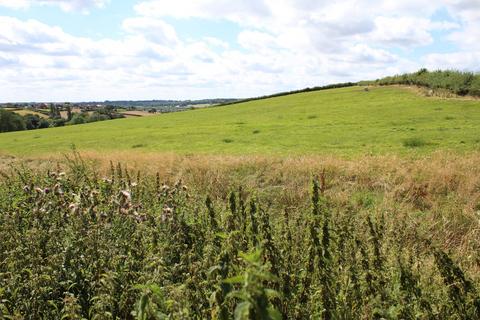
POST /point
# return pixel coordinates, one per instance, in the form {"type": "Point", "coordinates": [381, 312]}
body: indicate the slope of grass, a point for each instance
{"type": "Point", "coordinates": [346, 121]}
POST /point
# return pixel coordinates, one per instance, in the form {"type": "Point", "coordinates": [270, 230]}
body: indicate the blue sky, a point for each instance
{"type": "Point", "coordinates": [78, 50]}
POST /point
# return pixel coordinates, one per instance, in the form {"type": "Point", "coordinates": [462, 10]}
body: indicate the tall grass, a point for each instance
{"type": "Point", "coordinates": [79, 242]}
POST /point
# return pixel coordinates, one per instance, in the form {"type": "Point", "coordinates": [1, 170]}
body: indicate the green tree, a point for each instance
{"type": "Point", "coordinates": [32, 121]}
{"type": "Point", "coordinates": [96, 116]}
{"type": "Point", "coordinates": [10, 121]}
{"type": "Point", "coordinates": [78, 118]}
{"type": "Point", "coordinates": [44, 123]}
{"type": "Point", "coordinates": [69, 112]}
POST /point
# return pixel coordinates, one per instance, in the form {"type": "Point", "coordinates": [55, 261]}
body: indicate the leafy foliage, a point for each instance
{"type": "Point", "coordinates": [10, 121]}
{"type": "Point", "coordinates": [457, 82]}
{"type": "Point", "coordinates": [75, 245]}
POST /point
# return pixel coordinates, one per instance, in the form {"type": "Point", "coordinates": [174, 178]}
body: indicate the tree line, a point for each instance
{"type": "Point", "coordinates": [11, 121]}
{"type": "Point", "coordinates": [286, 93]}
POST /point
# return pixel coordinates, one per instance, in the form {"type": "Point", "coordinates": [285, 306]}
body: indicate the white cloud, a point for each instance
{"type": "Point", "coordinates": [215, 42]}
{"type": "Point", "coordinates": [281, 45]}
{"type": "Point", "coordinates": [154, 30]}
{"type": "Point", "coordinates": [465, 61]}
{"type": "Point", "coordinates": [403, 31]}
{"type": "Point", "coordinates": [257, 40]}
{"type": "Point", "coordinates": [15, 4]}
{"type": "Point", "coordinates": [66, 5]}
{"type": "Point", "coordinates": [246, 11]}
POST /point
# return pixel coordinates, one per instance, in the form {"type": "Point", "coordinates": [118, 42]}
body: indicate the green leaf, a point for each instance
{"type": "Point", "coordinates": [222, 235]}
{"type": "Point", "coordinates": [242, 311]}
{"type": "Point", "coordinates": [270, 293]}
{"type": "Point", "coordinates": [235, 279]}
{"type": "Point", "coordinates": [251, 257]}
{"type": "Point", "coordinates": [274, 314]}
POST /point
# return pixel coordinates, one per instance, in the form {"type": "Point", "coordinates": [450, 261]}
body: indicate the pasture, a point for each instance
{"type": "Point", "coordinates": [336, 204]}
{"type": "Point", "coordinates": [345, 122]}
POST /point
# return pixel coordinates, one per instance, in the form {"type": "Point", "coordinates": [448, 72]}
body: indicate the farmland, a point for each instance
{"type": "Point", "coordinates": [243, 160]}
{"type": "Point", "coordinates": [25, 112]}
{"type": "Point", "coordinates": [343, 203]}
{"type": "Point", "coordinates": [345, 122]}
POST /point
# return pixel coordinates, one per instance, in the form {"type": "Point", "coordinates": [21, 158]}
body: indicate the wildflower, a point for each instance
{"type": "Point", "coordinates": [58, 189]}
{"type": "Point", "coordinates": [73, 207]}
{"type": "Point", "coordinates": [126, 195]}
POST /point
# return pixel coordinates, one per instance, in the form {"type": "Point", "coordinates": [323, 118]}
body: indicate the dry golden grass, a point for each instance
{"type": "Point", "coordinates": [439, 193]}
{"type": "Point", "coordinates": [23, 112]}
{"type": "Point", "coordinates": [137, 114]}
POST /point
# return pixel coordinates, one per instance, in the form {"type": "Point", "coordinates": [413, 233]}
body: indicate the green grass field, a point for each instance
{"type": "Point", "coordinates": [345, 122]}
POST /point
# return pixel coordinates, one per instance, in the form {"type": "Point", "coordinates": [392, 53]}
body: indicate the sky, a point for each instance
{"type": "Point", "coordinates": [95, 50]}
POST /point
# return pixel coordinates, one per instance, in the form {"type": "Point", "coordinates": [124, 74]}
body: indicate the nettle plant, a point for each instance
{"type": "Point", "coordinates": [75, 244]}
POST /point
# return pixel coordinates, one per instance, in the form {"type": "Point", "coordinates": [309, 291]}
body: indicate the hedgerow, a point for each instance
{"type": "Point", "coordinates": [457, 82]}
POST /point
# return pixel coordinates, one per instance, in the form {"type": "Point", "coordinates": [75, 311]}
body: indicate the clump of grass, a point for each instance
{"type": "Point", "coordinates": [414, 142]}
{"type": "Point", "coordinates": [256, 131]}
{"type": "Point", "coordinates": [312, 116]}
{"type": "Point", "coordinates": [140, 145]}
{"type": "Point", "coordinates": [227, 140]}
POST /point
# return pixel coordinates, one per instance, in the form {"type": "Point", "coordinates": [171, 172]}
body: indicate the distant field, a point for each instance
{"type": "Point", "coordinates": [345, 122]}
{"type": "Point", "coordinates": [25, 112]}
{"type": "Point", "coordinates": [135, 114]}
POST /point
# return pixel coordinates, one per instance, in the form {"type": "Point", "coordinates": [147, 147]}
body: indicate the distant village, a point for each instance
{"type": "Point", "coordinates": [150, 106]}
{"type": "Point", "coordinates": [41, 115]}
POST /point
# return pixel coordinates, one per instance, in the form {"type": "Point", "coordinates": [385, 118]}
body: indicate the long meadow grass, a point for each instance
{"type": "Point", "coordinates": [84, 241]}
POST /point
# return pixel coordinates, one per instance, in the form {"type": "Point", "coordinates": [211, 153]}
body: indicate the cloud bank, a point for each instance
{"type": "Point", "coordinates": [281, 45]}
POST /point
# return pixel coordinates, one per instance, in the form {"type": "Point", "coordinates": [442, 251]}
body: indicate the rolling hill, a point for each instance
{"type": "Point", "coordinates": [346, 121]}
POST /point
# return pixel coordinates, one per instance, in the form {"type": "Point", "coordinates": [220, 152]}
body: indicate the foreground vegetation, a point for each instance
{"type": "Point", "coordinates": [246, 238]}
{"type": "Point", "coordinates": [346, 121]}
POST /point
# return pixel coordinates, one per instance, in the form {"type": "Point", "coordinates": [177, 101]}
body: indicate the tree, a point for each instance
{"type": "Point", "coordinates": [60, 122]}
{"type": "Point", "coordinates": [32, 121]}
{"type": "Point", "coordinates": [44, 124]}
{"type": "Point", "coordinates": [10, 121]}
{"type": "Point", "coordinates": [54, 111]}
{"type": "Point", "coordinates": [69, 112]}
{"type": "Point", "coordinates": [78, 118]}
{"type": "Point", "coordinates": [97, 116]}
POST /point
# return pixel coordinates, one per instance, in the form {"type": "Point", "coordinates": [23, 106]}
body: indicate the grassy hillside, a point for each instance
{"type": "Point", "coordinates": [346, 121]}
